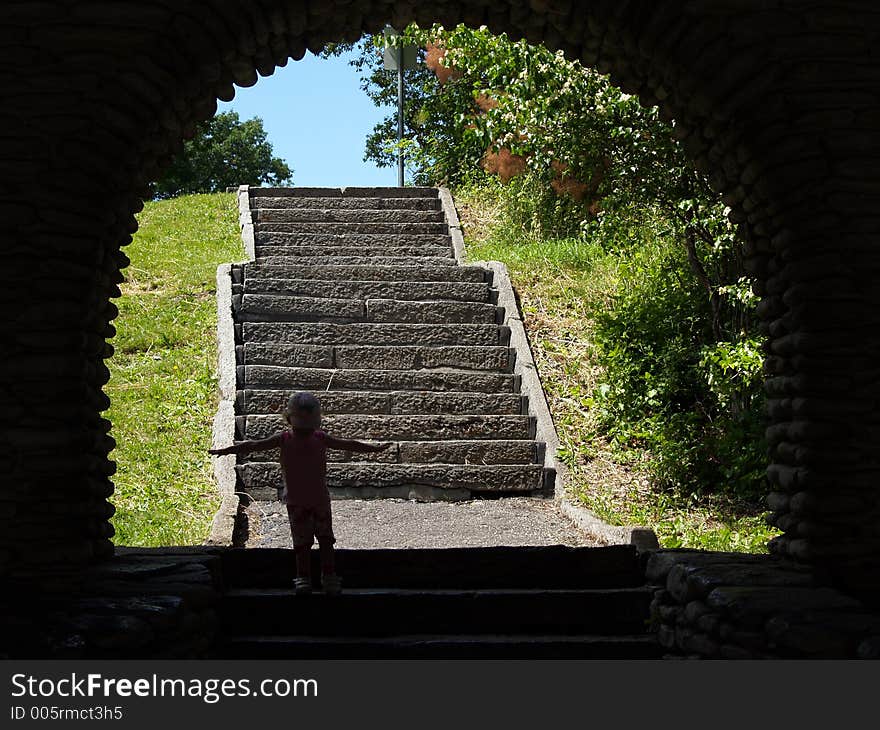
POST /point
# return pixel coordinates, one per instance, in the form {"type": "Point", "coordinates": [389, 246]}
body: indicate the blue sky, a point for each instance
{"type": "Point", "coordinates": [317, 119]}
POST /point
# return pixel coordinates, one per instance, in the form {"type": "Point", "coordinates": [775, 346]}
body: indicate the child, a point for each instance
{"type": "Point", "coordinates": [304, 465]}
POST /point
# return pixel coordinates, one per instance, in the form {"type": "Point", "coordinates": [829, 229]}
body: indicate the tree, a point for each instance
{"type": "Point", "coordinates": [225, 152]}
{"type": "Point", "coordinates": [577, 158]}
{"type": "Point", "coordinates": [380, 85]}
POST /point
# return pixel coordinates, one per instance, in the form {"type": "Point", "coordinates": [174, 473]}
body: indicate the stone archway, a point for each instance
{"type": "Point", "coordinates": [776, 102]}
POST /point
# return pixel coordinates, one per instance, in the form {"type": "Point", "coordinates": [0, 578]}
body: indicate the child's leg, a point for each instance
{"type": "Point", "coordinates": [328, 557]}
{"type": "Point", "coordinates": [303, 561]}
{"type": "Point", "coordinates": [324, 533]}
{"type": "Point", "coordinates": [301, 531]}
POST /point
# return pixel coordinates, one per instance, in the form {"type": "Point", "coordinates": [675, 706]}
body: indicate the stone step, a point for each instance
{"type": "Point", "coordinates": [429, 452]}
{"type": "Point", "coordinates": [274, 307]}
{"type": "Point", "coordinates": [412, 273]}
{"type": "Point", "coordinates": [330, 214]}
{"type": "Point", "coordinates": [359, 261]}
{"type": "Point", "coordinates": [395, 611]}
{"type": "Point", "coordinates": [352, 192]}
{"type": "Point", "coordinates": [438, 312]}
{"type": "Point", "coordinates": [548, 566]}
{"type": "Point", "coordinates": [370, 333]}
{"type": "Point", "coordinates": [336, 229]}
{"type": "Point", "coordinates": [402, 428]}
{"type": "Point", "coordinates": [368, 241]}
{"type": "Point", "coordinates": [404, 481]}
{"type": "Point", "coordinates": [264, 202]}
{"type": "Point", "coordinates": [401, 290]}
{"type": "Point", "coordinates": [300, 252]}
{"type": "Point", "coordinates": [469, 646]}
{"type": "Point", "coordinates": [321, 379]}
{"type": "Point", "coordinates": [365, 357]}
{"type": "Point", "coordinates": [268, 401]}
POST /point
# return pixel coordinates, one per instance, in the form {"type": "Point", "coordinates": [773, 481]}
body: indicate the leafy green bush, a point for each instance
{"type": "Point", "coordinates": [689, 466]}
{"type": "Point", "coordinates": [573, 177]}
{"type": "Point", "coordinates": [670, 385]}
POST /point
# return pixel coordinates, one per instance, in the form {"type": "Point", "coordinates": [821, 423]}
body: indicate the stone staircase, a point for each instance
{"type": "Point", "coordinates": [356, 295]}
{"type": "Point", "coordinates": [505, 602]}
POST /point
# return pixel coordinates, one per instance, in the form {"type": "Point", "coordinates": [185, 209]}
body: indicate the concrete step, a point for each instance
{"type": "Point", "coordinates": [402, 290]}
{"type": "Point", "coordinates": [412, 273]}
{"type": "Point", "coordinates": [368, 241]}
{"type": "Point", "coordinates": [321, 379]}
{"type": "Point", "coordinates": [395, 611]}
{"type": "Point", "coordinates": [401, 357]}
{"type": "Point", "coordinates": [347, 192]}
{"type": "Point", "coordinates": [274, 307]}
{"type": "Point", "coordinates": [370, 333]}
{"type": "Point", "coordinates": [301, 252]}
{"type": "Point", "coordinates": [402, 428]}
{"type": "Point", "coordinates": [331, 214]}
{"type": "Point", "coordinates": [340, 203]}
{"type": "Point", "coordinates": [470, 646]}
{"type": "Point", "coordinates": [359, 261]}
{"type": "Point", "coordinates": [264, 202]}
{"type": "Point", "coordinates": [268, 401]}
{"type": "Point", "coordinates": [439, 312]}
{"type": "Point", "coordinates": [550, 566]}
{"type": "Point", "coordinates": [336, 229]}
{"type": "Point", "coordinates": [404, 481]}
{"type": "Point", "coordinates": [430, 452]}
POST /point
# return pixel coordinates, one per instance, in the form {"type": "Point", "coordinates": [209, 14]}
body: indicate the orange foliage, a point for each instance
{"type": "Point", "coordinates": [486, 102]}
{"type": "Point", "coordinates": [576, 189]}
{"type": "Point", "coordinates": [432, 60]}
{"type": "Point", "coordinates": [564, 185]}
{"type": "Point", "coordinates": [504, 163]}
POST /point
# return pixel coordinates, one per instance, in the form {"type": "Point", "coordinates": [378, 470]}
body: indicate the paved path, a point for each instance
{"type": "Point", "coordinates": [394, 523]}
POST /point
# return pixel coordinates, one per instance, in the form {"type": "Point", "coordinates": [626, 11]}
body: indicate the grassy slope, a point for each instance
{"type": "Point", "coordinates": [557, 281]}
{"type": "Point", "coordinates": [163, 387]}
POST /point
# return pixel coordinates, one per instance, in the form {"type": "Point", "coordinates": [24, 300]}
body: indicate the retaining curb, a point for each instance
{"type": "Point", "coordinates": [223, 429]}
{"type": "Point", "coordinates": [643, 538]}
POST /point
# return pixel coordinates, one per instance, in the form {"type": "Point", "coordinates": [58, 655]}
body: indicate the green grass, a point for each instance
{"type": "Point", "coordinates": [164, 391]}
{"type": "Point", "coordinates": [163, 387]}
{"type": "Point", "coordinates": [559, 281]}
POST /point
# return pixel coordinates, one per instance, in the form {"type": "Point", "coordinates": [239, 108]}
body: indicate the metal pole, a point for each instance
{"type": "Point", "coordinates": [400, 92]}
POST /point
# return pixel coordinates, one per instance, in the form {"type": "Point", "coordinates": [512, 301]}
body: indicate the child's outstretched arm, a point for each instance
{"type": "Point", "coordinates": [246, 447]}
{"type": "Point", "coordinates": [359, 446]}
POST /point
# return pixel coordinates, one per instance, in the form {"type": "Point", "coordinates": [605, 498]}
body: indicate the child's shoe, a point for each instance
{"type": "Point", "coordinates": [332, 585]}
{"type": "Point", "coordinates": [302, 586]}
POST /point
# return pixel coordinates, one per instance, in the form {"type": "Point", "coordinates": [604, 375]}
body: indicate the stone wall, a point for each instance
{"type": "Point", "coordinates": [737, 606]}
{"type": "Point", "coordinates": [776, 100]}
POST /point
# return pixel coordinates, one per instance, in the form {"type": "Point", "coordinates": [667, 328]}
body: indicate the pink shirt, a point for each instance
{"type": "Point", "coordinates": [304, 464]}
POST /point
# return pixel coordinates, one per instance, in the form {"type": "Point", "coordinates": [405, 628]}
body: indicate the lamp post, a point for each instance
{"type": "Point", "coordinates": [398, 58]}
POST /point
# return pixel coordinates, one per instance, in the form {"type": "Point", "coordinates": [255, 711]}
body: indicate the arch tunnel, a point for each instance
{"type": "Point", "coordinates": [776, 101]}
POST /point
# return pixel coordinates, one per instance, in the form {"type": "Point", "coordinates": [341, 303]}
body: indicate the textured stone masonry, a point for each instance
{"type": "Point", "coordinates": [396, 428]}
{"type": "Point", "coordinates": [776, 101]}
{"type": "Point", "coordinates": [374, 333]}
{"type": "Point", "coordinates": [400, 402]}
{"type": "Point", "coordinates": [413, 290]}
{"type": "Point", "coordinates": [376, 480]}
{"type": "Point", "coordinates": [372, 272]}
{"type": "Point", "coordinates": [736, 606]}
{"type": "Point", "coordinates": [446, 414]}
